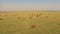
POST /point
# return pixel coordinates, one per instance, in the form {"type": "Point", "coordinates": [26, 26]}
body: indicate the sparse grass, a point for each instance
{"type": "Point", "coordinates": [30, 23]}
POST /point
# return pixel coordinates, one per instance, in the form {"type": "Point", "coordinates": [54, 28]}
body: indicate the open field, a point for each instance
{"type": "Point", "coordinates": [29, 22]}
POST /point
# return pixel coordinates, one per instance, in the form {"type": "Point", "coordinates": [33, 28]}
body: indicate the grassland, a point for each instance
{"type": "Point", "coordinates": [29, 22]}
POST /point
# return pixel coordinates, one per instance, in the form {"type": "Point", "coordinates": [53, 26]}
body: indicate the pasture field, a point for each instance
{"type": "Point", "coordinates": [29, 22]}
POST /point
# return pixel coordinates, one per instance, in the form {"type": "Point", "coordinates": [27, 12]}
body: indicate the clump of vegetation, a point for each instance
{"type": "Point", "coordinates": [1, 19]}
{"type": "Point", "coordinates": [6, 15]}
{"type": "Point", "coordinates": [33, 26]}
{"type": "Point", "coordinates": [46, 16]}
{"type": "Point", "coordinates": [19, 17]}
{"type": "Point", "coordinates": [58, 23]}
{"type": "Point", "coordinates": [23, 18]}
{"type": "Point", "coordinates": [30, 17]}
{"type": "Point", "coordinates": [37, 15]}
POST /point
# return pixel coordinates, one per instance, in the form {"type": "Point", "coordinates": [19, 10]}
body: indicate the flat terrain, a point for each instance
{"type": "Point", "coordinates": [29, 22]}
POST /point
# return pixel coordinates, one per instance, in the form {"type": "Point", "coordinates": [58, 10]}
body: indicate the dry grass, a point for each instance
{"type": "Point", "coordinates": [30, 23]}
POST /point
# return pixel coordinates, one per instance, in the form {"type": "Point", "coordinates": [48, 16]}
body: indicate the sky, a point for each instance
{"type": "Point", "coordinates": [19, 5]}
